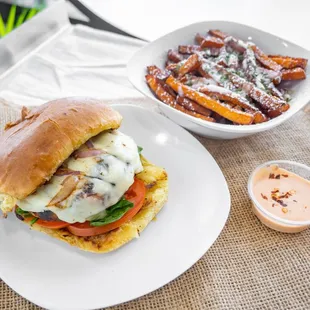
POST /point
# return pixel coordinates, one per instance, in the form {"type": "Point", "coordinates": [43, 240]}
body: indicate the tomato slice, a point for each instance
{"type": "Point", "coordinates": [135, 194]}
{"type": "Point", "coordinates": [52, 224]}
{"type": "Point", "coordinates": [48, 224]}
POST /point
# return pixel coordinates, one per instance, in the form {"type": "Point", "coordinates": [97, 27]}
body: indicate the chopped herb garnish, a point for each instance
{"type": "Point", "coordinates": [223, 78]}
{"type": "Point", "coordinates": [140, 149]}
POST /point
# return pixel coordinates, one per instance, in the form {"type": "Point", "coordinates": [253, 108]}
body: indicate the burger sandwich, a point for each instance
{"type": "Point", "coordinates": [67, 171]}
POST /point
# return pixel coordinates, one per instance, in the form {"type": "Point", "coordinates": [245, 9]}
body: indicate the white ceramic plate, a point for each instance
{"type": "Point", "coordinates": [56, 276]}
{"type": "Point", "coordinates": [156, 52]}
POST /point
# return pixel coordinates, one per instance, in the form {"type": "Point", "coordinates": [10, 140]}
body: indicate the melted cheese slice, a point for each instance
{"type": "Point", "coordinates": [106, 178]}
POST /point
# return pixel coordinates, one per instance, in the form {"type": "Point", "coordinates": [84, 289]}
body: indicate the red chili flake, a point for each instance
{"type": "Point", "coordinates": [278, 176]}
{"type": "Point", "coordinates": [276, 190]}
{"type": "Point", "coordinates": [285, 195]}
{"type": "Point", "coordinates": [265, 197]}
{"type": "Point", "coordinates": [306, 207]}
{"type": "Point", "coordinates": [285, 175]}
{"type": "Point", "coordinates": [281, 203]}
{"type": "Point", "coordinates": [271, 176]}
{"type": "Point", "coordinates": [273, 205]}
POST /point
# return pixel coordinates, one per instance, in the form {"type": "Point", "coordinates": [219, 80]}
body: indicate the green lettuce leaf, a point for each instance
{"type": "Point", "coordinates": [33, 221]}
{"type": "Point", "coordinates": [113, 213]}
{"type": "Point", "coordinates": [22, 213]}
{"type": "Point", "coordinates": [25, 214]}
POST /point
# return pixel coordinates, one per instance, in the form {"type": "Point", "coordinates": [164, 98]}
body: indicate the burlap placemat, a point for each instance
{"type": "Point", "coordinates": [250, 266]}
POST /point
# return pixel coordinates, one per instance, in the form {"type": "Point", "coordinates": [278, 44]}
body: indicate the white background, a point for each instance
{"type": "Point", "coordinates": [151, 19]}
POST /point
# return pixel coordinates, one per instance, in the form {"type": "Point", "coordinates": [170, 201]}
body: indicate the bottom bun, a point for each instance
{"type": "Point", "coordinates": [156, 182]}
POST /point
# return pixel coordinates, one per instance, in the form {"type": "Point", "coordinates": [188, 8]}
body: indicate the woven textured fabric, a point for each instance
{"type": "Point", "coordinates": [250, 266]}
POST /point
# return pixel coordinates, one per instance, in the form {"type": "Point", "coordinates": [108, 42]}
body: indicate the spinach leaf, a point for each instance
{"type": "Point", "coordinates": [22, 213]}
{"type": "Point", "coordinates": [33, 221]}
{"type": "Point", "coordinates": [114, 213]}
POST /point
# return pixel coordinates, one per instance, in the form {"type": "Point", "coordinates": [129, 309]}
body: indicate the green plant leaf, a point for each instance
{"type": "Point", "coordinates": [21, 17]}
{"type": "Point", "coordinates": [11, 19]}
{"type": "Point", "coordinates": [114, 213]}
{"type": "Point", "coordinates": [2, 27]}
{"type": "Point", "coordinates": [31, 13]}
{"type": "Point", "coordinates": [22, 213]}
{"type": "Point", "coordinates": [33, 221]}
{"type": "Point", "coordinates": [140, 149]}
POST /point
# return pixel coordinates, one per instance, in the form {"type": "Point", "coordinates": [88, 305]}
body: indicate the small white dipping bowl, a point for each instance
{"type": "Point", "coordinates": [270, 220]}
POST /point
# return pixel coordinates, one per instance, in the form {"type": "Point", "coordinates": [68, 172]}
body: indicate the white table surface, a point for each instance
{"type": "Point", "coordinates": [151, 19]}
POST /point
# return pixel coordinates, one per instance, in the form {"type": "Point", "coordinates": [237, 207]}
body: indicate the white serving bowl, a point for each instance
{"type": "Point", "coordinates": [155, 53]}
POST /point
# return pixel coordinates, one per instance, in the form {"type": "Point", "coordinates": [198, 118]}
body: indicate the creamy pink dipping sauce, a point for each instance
{"type": "Point", "coordinates": [283, 194]}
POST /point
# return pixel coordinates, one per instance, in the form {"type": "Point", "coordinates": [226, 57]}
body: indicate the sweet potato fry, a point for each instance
{"type": "Point", "coordinates": [209, 103]}
{"type": "Point", "coordinates": [189, 79]}
{"type": "Point", "coordinates": [159, 90]}
{"type": "Point", "coordinates": [191, 64]}
{"type": "Point", "coordinates": [237, 45]}
{"type": "Point", "coordinates": [267, 102]}
{"type": "Point", "coordinates": [171, 66]}
{"type": "Point", "coordinates": [258, 75]}
{"type": "Point", "coordinates": [209, 41]}
{"type": "Point", "coordinates": [193, 106]}
{"type": "Point", "coordinates": [165, 97]}
{"type": "Point", "coordinates": [189, 49]}
{"type": "Point", "coordinates": [275, 76]}
{"type": "Point", "coordinates": [293, 74]}
{"type": "Point", "coordinates": [218, 34]}
{"type": "Point", "coordinates": [274, 91]}
{"type": "Point", "coordinates": [203, 73]}
{"type": "Point", "coordinates": [234, 99]}
{"type": "Point", "coordinates": [265, 60]}
{"type": "Point", "coordinates": [270, 104]}
{"type": "Point", "coordinates": [174, 56]}
{"type": "Point", "coordinates": [218, 118]}
{"type": "Point", "coordinates": [160, 74]}
{"type": "Point", "coordinates": [214, 52]}
{"type": "Point", "coordinates": [196, 81]}
{"type": "Point", "coordinates": [153, 70]}
{"type": "Point", "coordinates": [289, 62]}
{"type": "Point", "coordinates": [259, 117]}
{"type": "Point", "coordinates": [195, 114]}
{"type": "Point", "coordinates": [227, 59]}
{"type": "Point", "coordinates": [218, 73]}
{"type": "Point", "coordinates": [220, 93]}
{"type": "Point", "coordinates": [199, 38]}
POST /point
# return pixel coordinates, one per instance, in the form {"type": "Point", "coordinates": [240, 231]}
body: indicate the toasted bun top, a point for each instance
{"type": "Point", "coordinates": [32, 148]}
